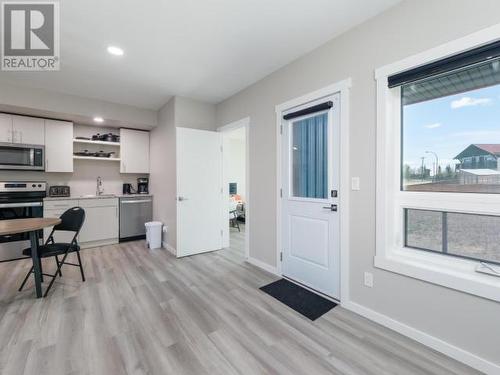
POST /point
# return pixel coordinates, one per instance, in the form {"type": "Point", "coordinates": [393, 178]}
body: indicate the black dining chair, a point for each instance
{"type": "Point", "coordinates": [71, 221]}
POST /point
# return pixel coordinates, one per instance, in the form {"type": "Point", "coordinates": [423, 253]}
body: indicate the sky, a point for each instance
{"type": "Point", "coordinates": [448, 125]}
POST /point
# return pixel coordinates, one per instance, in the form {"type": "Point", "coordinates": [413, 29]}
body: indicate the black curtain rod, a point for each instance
{"type": "Point", "coordinates": [461, 60]}
{"type": "Point", "coordinates": [307, 111]}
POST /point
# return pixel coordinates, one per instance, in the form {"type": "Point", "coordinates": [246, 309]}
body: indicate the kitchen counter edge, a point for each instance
{"type": "Point", "coordinates": [96, 197]}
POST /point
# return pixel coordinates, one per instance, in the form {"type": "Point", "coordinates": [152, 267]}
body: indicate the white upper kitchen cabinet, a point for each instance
{"type": "Point", "coordinates": [58, 146]}
{"type": "Point", "coordinates": [134, 151]}
{"type": "Point", "coordinates": [28, 130]}
{"type": "Point", "coordinates": [5, 127]}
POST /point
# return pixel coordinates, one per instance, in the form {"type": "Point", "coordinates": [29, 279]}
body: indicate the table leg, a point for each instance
{"type": "Point", "coordinates": [36, 263]}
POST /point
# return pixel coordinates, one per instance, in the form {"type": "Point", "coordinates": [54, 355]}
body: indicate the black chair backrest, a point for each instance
{"type": "Point", "coordinates": [71, 220]}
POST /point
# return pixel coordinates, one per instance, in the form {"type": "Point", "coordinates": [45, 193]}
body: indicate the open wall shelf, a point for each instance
{"type": "Point", "coordinates": [75, 157]}
{"type": "Point", "coordinates": [90, 142]}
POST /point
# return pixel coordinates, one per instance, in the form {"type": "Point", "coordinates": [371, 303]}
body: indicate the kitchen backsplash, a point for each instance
{"type": "Point", "coordinates": [83, 180]}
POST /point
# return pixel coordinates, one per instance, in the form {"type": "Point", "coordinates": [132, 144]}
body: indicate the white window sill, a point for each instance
{"type": "Point", "coordinates": [450, 272]}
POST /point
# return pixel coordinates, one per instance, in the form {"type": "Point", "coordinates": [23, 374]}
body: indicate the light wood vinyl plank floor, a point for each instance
{"type": "Point", "coordinates": [146, 312]}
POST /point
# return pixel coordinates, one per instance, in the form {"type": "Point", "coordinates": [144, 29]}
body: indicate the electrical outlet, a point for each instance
{"type": "Point", "coordinates": [369, 279]}
{"type": "Point", "coordinates": [355, 183]}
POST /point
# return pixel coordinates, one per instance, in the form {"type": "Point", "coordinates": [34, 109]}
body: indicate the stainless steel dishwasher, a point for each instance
{"type": "Point", "coordinates": [134, 212]}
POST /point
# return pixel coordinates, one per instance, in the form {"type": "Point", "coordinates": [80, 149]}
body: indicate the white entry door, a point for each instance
{"type": "Point", "coordinates": [310, 204]}
{"type": "Point", "coordinates": [199, 191]}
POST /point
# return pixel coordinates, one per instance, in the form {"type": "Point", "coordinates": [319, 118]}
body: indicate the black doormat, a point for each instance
{"type": "Point", "coordinates": [303, 301]}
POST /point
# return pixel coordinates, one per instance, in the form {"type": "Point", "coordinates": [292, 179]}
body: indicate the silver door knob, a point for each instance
{"type": "Point", "coordinates": [180, 199]}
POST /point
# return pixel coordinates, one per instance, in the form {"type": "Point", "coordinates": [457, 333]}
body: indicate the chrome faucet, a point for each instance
{"type": "Point", "coordinates": [99, 187]}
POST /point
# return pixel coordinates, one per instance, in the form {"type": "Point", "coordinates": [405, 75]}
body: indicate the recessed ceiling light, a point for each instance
{"type": "Point", "coordinates": [98, 119]}
{"type": "Point", "coordinates": [114, 50]}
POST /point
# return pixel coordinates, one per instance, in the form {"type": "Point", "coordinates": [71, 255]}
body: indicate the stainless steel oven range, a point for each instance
{"type": "Point", "coordinates": [19, 200]}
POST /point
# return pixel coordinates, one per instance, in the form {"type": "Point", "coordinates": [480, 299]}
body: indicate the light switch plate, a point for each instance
{"type": "Point", "coordinates": [355, 183]}
{"type": "Point", "coordinates": [369, 279]}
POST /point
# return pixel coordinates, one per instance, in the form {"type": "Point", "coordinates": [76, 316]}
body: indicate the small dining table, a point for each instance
{"type": "Point", "coordinates": [31, 226]}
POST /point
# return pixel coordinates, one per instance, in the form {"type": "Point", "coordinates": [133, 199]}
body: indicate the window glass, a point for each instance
{"type": "Point", "coordinates": [310, 157]}
{"type": "Point", "coordinates": [423, 229]}
{"type": "Point", "coordinates": [460, 234]}
{"type": "Point", "coordinates": [475, 236]}
{"type": "Point", "coordinates": [451, 132]}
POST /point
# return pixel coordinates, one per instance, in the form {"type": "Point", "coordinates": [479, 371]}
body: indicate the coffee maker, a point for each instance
{"type": "Point", "coordinates": [142, 185]}
{"type": "Point", "coordinates": [127, 189]}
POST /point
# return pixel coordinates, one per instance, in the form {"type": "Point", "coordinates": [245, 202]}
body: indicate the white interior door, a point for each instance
{"type": "Point", "coordinates": [199, 191]}
{"type": "Point", "coordinates": [310, 218]}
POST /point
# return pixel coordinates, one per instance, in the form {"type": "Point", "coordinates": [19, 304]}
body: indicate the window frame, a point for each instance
{"type": "Point", "coordinates": [391, 254]}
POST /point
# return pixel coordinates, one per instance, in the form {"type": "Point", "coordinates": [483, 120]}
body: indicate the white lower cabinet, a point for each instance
{"type": "Point", "coordinates": [101, 220]}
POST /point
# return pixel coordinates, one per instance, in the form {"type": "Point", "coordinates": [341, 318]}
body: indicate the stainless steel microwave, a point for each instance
{"type": "Point", "coordinates": [20, 156]}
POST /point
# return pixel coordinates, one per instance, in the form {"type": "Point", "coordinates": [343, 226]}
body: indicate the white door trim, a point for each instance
{"type": "Point", "coordinates": [245, 122]}
{"type": "Point", "coordinates": [342, 87]}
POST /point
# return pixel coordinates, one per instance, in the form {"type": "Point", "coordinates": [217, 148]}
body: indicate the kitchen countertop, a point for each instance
{"type": "Point", "coordinates": [104, 196]}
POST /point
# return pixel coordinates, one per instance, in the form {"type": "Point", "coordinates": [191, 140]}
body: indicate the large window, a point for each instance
{"type": "Point", "coordinates": [438, 167]}
{"type": "Point", "coordinates": [451, 143]}
{"type": "Point", "coordinates": [451, 131]}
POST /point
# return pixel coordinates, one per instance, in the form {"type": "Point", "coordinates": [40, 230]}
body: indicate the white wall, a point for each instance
{"type": "Point", "coordinates": [465, 321]}
{"type": "Point", "coordinates": [178, 112]}
{"type": "Point", "coordinates": [234, 161]}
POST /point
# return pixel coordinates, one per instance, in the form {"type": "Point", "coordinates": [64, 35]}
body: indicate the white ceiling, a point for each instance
{"type": "Point", "coordinates": [203, 49]}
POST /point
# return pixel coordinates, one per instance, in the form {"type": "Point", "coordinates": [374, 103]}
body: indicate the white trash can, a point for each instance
{"type": "Point", "coordinates": [153, 234]}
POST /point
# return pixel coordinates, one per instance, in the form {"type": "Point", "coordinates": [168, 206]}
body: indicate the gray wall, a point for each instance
{"type": "Point", "coordinates": [162, 170]}
{"type": "Point", "coordinates": [463, 320]}
{"type": "Point", "coordinates": [178, 112]}
{"type": "Point", "coordinates": [190, 113]}
{"type": "Point", "coordinates": [44, 103]}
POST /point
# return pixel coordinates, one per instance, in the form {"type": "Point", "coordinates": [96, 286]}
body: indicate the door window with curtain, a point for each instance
{"type": "Point", "coordinates": [310, 157]}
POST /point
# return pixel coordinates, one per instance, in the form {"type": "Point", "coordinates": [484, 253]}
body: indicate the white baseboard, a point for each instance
{"type": "Point", "coordinates": [452, 351]}
{"type": "Point", "coordinates": [262, 265]}
{"type": "Point", "coordinates": [169, 248]}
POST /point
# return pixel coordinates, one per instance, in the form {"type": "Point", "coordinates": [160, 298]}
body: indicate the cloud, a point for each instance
{"type": "Point", "coordinates": [468, 102]}
{"type": "Point", "coordinates": [433, 126]}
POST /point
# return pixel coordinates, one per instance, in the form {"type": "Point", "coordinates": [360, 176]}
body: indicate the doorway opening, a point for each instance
{"type": "Point", "coordinates": [235, 184]}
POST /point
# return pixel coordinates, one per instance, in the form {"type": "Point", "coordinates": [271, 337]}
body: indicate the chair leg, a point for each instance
{"type": "Point", "coordinates": [81, 266]}
{"type": "Point", "coordinates": [26, 278]}
{"type": "Point", "coordinates": [41, 269]}
{"type": "Point", "coordinates": [59, 265]}
{"type": "Point", "coordinates": [57, 262]}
